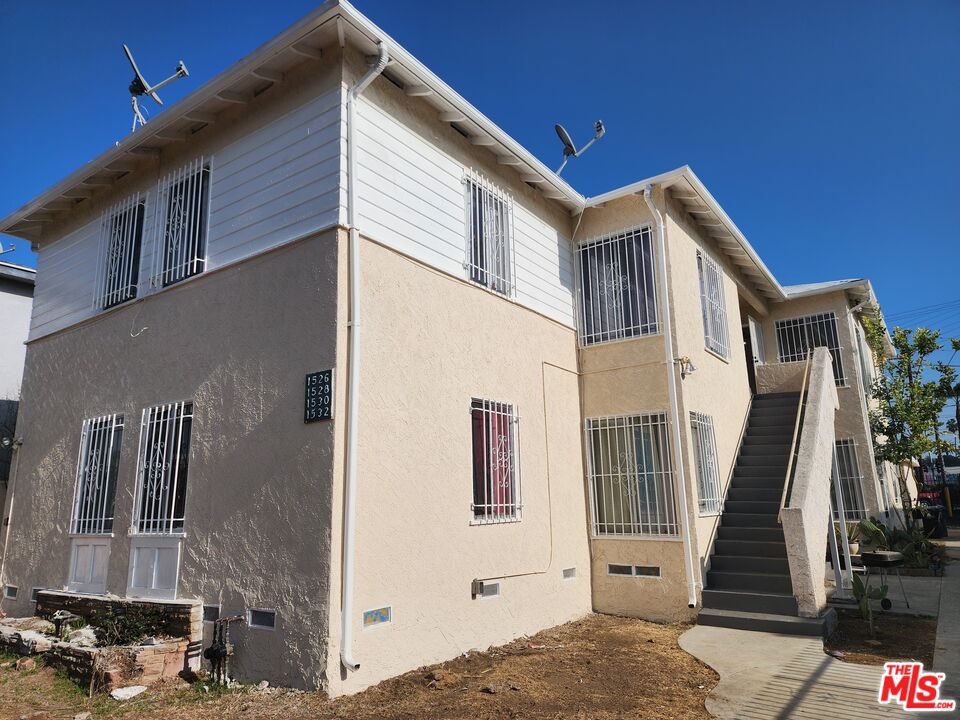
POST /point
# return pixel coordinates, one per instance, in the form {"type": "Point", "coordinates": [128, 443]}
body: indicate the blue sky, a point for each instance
{"type": "Point", "coordinates": [827, 130]}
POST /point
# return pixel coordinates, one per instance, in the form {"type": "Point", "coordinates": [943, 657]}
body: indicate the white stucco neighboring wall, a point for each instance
{"type": "Point", "coordinates": [16, 300]}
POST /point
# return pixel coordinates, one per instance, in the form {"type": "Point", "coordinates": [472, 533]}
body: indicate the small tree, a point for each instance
{"type": "Point", "coordinates": [906, 416]}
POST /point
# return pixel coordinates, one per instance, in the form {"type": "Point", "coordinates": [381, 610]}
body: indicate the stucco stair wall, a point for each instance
{"type": "Point", "coordinates": [748, 585]}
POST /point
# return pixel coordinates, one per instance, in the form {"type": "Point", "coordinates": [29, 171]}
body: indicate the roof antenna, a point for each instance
{"type": "Point", "coordinates": [569, 149]}
{"type": "Point", "coordinates": [139, 86]}
{"type": "Point", "coordinates": [4, 251]}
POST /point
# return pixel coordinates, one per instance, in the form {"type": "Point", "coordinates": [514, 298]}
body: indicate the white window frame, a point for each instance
{"type": "Point", "coordinates": [180, 248]}
{"type": "Point", "coordinates": [709, 492]}
{"type": "Point", "coordinates": [488, 218]}
{"type": "Point", "coordinates": [504, 456]}
{"type": "Point", "coordinates": [95, 485]}
{"type": "Point", "coordinates": [713, 306]}
{"type": "Point", "coordinates": [624, 302]}
{"type": "Point", "coordinates": [120, 252]}
{"type": "Point", "coordinates": [797, 336]}
{"type": "Point", "coordinates": [155, 507]}
{"type": "Point", "coordinates": [851, 476]}
{"type": "Point", "coordinates": [621, 486]}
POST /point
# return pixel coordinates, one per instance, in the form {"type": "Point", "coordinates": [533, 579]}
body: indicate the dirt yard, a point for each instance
{"type": "Point", "coordinates": [898, 637]}
{"type": "Point", "coordinates": [598, 668]}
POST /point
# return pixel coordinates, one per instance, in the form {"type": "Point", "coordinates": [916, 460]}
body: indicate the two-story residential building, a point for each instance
{"type": "Point", "coordinates": [16, 298]}
{"type": "Point", "coordinates": [323, 346]}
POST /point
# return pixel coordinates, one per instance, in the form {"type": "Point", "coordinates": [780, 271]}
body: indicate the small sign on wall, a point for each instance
{"type": "Point", "coordinates": [318, 396]}
{"type": "Point", "coordinates": [377, 616]}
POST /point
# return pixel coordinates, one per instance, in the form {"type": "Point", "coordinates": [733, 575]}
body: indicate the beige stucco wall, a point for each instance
{"type": "Point", "coordinates": [431, 343]}
{"type": "Point", "coordinates": [851, 420]}
{"type": "Point", "coordinates": [237, 342]}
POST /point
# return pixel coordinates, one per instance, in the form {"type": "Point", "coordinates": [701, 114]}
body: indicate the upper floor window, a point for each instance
{"type": "Point", "coordinates": [618, 294]}
{"type": "Point", "coordinates": [162, 469]}
{"type": "Point", "coordinates": [631, 483]}
{"type": "Point", "coordinates": [121, 234]}
{"type": "Point", "coordinates": [96, 485]}
{"type": "Point", "coordinates": [705, 456]}
{"type": "Point", "coordinates": [713, 305]}
{"type": "Point", "coordinates": [798, 336]}
{"type": "Point", "coordinates": [182, 206]}
{"type": "Point", "coordinates": [496, 483]}
{"type": "Point", "coordinates": [489, 236]}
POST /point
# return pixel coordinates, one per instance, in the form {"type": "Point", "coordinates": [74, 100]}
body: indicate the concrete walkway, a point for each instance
{"type": "Point", "coordinates": [764, 676]}
{"type": "Point", "coordinates": [946, 654]}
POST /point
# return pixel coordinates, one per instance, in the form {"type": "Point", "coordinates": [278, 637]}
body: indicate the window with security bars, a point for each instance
{"type": "Point", "coordinates": [183, 199]}
{"type": "Point", "coordinates": [713, 306]}
{"type": "Point", "coordinates": [496, 477]}
{"type": "Point", "coordinates": [121, 235]}
{"type": "Point", "coordinates": [617, 289]}
{"type": "Point", "coordinates": [798, 336]}
{"type": "Point", "coordinates": [705, 456]}
{"type": "Point", "coordinates": [631, 482]}
{"type": "Point", "coordinates": [96, 485]}
{"type": "Point", "coordinates": [851, 481]}
{"type": "Point", "coordinates": [489, 236]}
{"type": "Point", "coordinates": [162, 469]}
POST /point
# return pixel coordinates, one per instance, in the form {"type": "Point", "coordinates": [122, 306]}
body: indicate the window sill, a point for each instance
{"type": "Point", "coordinates": [586, 346]}
{"type": "Point", "coordinates": [717, 355]}
{"type": "Point", "coordinates": [498, 521]}
{"type": "Point", "coordinates": [654, 538]}
{"type": "Point", "coordinates": [90, 536]}
{"type": "Point", "coordinates": [718, 513]}
{"type": "Point", "coordinates": [158, 536]}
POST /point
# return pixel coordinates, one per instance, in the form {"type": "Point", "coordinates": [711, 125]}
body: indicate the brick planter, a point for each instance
{"type": "Point", "coordinates": [120, 665]}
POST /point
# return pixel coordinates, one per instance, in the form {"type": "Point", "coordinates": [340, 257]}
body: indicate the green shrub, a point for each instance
{"type": "Point", "coordinates": [129, 624]}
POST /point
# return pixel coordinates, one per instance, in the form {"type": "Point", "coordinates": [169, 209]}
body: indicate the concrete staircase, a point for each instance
{"type": "Point", "coordinates": [748, 585]}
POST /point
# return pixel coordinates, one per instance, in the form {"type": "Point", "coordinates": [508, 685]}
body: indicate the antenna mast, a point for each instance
{"type": "Point", "coordinates": [139, 86]}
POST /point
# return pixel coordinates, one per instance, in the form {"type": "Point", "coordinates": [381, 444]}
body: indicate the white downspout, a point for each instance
{"type": "Point", "coordinates": [672, 387]}
{"type": "Point", "coordinates": [353, 386]}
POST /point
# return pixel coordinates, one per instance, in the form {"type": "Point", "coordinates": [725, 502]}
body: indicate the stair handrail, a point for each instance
{"type": "Point", "coordinates": [788, 480]}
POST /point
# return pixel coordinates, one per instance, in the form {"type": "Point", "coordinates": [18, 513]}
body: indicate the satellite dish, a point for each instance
{"type": "Point", "coordinates": [139, 86]}
{"type": "Point", "coordinates": [569, 149]}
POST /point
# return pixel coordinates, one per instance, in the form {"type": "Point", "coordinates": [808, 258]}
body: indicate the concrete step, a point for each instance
{"type": "Point", "coordinates": [769, 396]}
{"type": "Point", "coordinates": [784, 431]}
{"type": "Point", "coordinates": [768, 440]}
{"type": "Point", "coordinates": [750, 548]}
{"type": "Point", "coordinates": [759, 481]}
{"type": "Point", "coordinates": [784, 411]}
{"type": "Point", "coordinates": [753, 507]}
{"type": "Point", "coordinates": [769, 622]}
{"type": "Point", "coordinates": [771, 494]}
{"type": "Point", "coordinates": [761, 471]}
{"type": "Point", "coordinates": [765, 450]}
{"type": "Point", "coordinates": [785, 404]}
{"type": "Point", "coordinates": [774, 603]}
{"type": "Point", "coordinates": [751, 534]}
{"type": "Point", "coordinates": [769, 461]}
{"type": "Point", "coordinates": [749, 582]}
{"type": "Point", "coordinates": [749, 564]}
{"type": "Point", "coordinates": [749, 520]}
{"type": "Point", "coordinates": [779, 421]}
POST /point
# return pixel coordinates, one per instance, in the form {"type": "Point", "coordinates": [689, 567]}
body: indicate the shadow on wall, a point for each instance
{"type": "Point", "coordinates": [8, 425]}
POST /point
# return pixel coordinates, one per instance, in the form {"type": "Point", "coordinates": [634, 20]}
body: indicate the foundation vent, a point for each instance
{"type": "Point", "coordinates": [569, 573]}
{"type": "Point", "coordinates": [261, 619]}
{"type": "Point", "coordinates": [211, 613]}
{"type": "Point", "coordinates": [651, 571]}
{"type": "Point", "coordinates": [10, 592]}
{"type": "Point", "coordinates": [484, 589]}
{"type": "Point", "coordinates": [34, 593]}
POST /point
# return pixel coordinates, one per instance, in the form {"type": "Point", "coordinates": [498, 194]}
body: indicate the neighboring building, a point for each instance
{"type": "Point", "coordinates": [16, 297]}
{"type": "Point", "coordinates": [527, 448]}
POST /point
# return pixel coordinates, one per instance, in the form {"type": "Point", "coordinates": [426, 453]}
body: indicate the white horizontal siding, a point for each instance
{"type": "Point", "coordinates": [411, 197]}
{"type": "Point", "coordinates": [275, 184]}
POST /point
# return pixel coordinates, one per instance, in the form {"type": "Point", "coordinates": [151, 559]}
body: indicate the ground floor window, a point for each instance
{"type": "Point", "coordinates": [496, 479]}
{"type": "Point", "coordinates": [96, 485]}
{"type": "Point", "coordinates": [631, 482]}
{"type": "Point", "coordinates": [705, 457]}
{"type": "Point", "coordinates": [162, 471]}
{"type": "Point", "coordinates": [851, 481]}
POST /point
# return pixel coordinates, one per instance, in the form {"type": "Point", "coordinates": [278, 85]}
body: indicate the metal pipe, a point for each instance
{"type": "Point", "coordinates": [681, 481]}
{"type": "Point", "coordinates": [353, 384]}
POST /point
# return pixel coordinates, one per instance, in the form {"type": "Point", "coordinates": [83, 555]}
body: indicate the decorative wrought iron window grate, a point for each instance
{"type": "Point", "coordinates": [162, 470]}
{"type": "Point", "coordinates": [617, 287]}
{"type": "Point", "coordinates": [489, 220]}
{"type": "Point", "coordinates": [118, 259]}
{"type": "Point", "coordinates": [713, 305]}
{"type": "Point", "coordinates": [183, 199]}
{"type": "Point", "coordinates": [496, 475]}
{"type": "Point", "coordinates": [705, 455]}
{"type": "Point", "coordinates": [851, 481]}
{"type": "Point", "coordinates": [797, 336]}
{"type": "Point", "coordinates": [96, 485]}
{"type": "Point", "coordinates": [631, 482]}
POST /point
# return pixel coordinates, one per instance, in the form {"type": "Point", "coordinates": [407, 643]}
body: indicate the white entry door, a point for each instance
{"type": "Point", "coordinates": [154, 567]}
{"type": "Point", "coordinates": [88, 565]}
